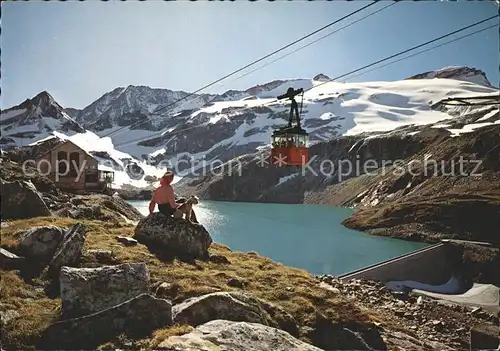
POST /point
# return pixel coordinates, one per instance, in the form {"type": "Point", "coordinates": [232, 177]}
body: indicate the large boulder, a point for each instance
{"type": "Point", "coordinates": [137, 318]}
{"type": "Point", "coordinates": [121, 206]}
{"type": "Point", "coordinates": [40, 242]}
{"type": "Point", "coordinates": [70, 250]}
{"type": "Point", "coordinates": [174, 237]}
{"type": "Point", "coordinates": [98, 207]}
{"type": "Point", "coordinates": [233, 306]}
{"type": "Point", "coordinates": [89, 290]}
{"type": "Point", "coordinates": [235, 336]}
{"type": "Point", "coordinates": [21, 200]}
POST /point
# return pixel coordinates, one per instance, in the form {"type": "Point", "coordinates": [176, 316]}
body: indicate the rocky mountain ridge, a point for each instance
{"type": "Point", "coordinates": [130, 105]}
{"type": "Point", "coordinates": [217, 128]}
{"type": "Point", "coordinates": [35, 119]}
{"type": "Point", "coordinates": [456, 72]}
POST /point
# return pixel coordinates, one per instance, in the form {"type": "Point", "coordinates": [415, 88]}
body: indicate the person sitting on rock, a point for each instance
{"type": "Point", "coordinates": [165, 198]}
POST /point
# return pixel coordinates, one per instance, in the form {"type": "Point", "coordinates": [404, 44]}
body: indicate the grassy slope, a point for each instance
{"type": "Point", "coordinates": [295, 290]}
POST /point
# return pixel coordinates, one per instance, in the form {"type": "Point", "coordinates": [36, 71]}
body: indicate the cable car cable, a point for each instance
{"type": "Point", "coordinates": [277, 151]}
{"type": "Point", "coordinates": [405, 51]}
{"type": "Point", "coordinates": [357, 70]}
{"type": "Point", "coordinates": [448, 42]}
{"type": "Point", "coordinates": [424, 51]}
{"type": "Point", "coordinates": [261, 59]}
{"type": "Point", "coordinates": [346, 74]}
{"type": "Point", "coordinates": [319, 39]}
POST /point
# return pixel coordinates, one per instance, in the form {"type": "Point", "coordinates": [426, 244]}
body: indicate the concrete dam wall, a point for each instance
{"type": "Point", "coordinates": [432, 265]}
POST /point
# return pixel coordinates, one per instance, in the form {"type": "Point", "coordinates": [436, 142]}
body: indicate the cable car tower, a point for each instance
{"type": "Point", "coordinates": [289, 144]}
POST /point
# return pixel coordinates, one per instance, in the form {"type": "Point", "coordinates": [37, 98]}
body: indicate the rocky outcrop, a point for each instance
{"type": "Point", "coordinates": [332, 335]}
{"type": "Point", "coordinates": [219, 259]}
{"type": "Point", "coordinates": [21, 200]}
{"type": "Point", "coordinates": [12, 169]}
{"type": "Point", "coordinates": [173, 237]}
{"type": "Point", "coordinates": [92, 206]}
{"type": "Point", "coordinates": [40, 242]}
{"type": "Point", "coordinates": [119, 205]}
{"type": "Point", "coordinates": [468, 74]}
{"type": "Point", "coordinates": [321, 77]}
{"type": "Point", "coordinates": [232, 306]}
{"type": "Point", "coordinates": [476, 218]}
{"type": "Point", "coordinates": [402, 341]}
{"type": "Point", "coordinates": [136, 317]}
{"type": "Point", "coordinates": [439, 326]}
{"type": "Point", "coordinates": [81, 211]}
{"type": "Point", "coordinates": [70, 249]}
{"type": "Point", "coordinates": [89, 290]}
{"type": "Point", "coordinates": [450, 191]}
{"type": "Point", "coordinates": [236, 336]}
{"type": "Point", "coordinates": [479, 264]}
{"type": "Point", "coordinates": [50, 248]}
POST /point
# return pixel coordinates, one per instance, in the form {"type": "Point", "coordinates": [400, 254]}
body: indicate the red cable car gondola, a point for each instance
{"type": "Point", "coordinates": [289, 144]}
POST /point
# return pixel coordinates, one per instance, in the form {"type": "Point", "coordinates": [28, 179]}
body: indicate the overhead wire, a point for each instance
{"type": "Point", "coordinates": [404, 52]}
{"type": "Point", "coordinates": [254, 62]}
{"type": "Point", "coordinates": [392, 56]}
{"type": "Point", "coordinates": [173, 133]}
{"type": "Point", "coordinates": [418, 46]}
{"type": "Point", "coordinates": [319, 39]}
{"type": "Point", "coordinates": [424, 51]}
{"type": "Point", "coordinates": [407, 57]}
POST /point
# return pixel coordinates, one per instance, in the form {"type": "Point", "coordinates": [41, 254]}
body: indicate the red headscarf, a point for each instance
{"type": "Point", "coordinates": [167, 179]}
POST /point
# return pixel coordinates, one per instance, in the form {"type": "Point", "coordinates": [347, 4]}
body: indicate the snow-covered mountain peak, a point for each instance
{"type": "Point", "coordinates": [321, 77]}
{"type": "Point", "coordinates": [278, 87]}
{"type": "Point", "coordinates": [42, 100]}
{"type": "Point", "coordinates": [463, 73]}
{"type": "Point", "coordinates": [135, 104]}
{"type": "Point", "coordinates": [35, 118]}
{"type": "Point", "coordinates": [40, 106]}
{"type": "Point", "coordinates": [256, 90]}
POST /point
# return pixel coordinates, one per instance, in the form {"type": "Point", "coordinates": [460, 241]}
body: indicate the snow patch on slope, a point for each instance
{"type": "Point", "coordinates": [462, 73]}
{"type": "Point", "coordinates": [286, 178]}
{"type": "Point", "coordinates": [470, 128]}
{"type": "Point", "coordinates": [488, 115]}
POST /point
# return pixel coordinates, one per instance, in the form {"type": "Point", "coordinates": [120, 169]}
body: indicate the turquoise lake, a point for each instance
{"type": "Point", "coordinates": [310, 237]}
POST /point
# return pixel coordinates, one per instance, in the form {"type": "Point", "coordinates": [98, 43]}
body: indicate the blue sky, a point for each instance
{"type": "Point", "coordinates": [78, 51]}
